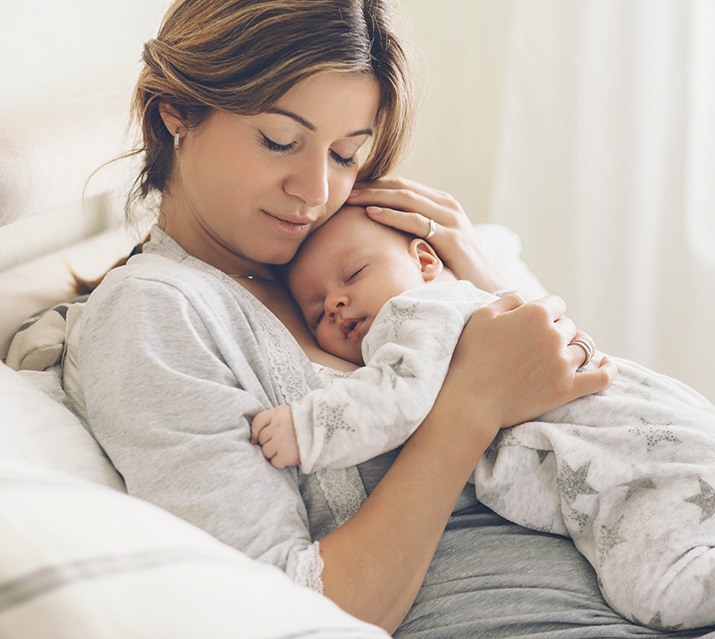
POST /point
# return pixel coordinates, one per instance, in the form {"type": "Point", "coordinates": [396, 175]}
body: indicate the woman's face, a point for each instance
{"type": "Point", "coordinates": [247, 190]}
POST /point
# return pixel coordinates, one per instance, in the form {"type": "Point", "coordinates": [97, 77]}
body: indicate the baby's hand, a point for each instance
{"type": "Point", "coordinates": [273, 431]}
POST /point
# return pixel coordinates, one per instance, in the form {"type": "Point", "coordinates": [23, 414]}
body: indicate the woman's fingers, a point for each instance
{"type": "Point", "coordinates": [403, 184]}
{"type": "Point", "coordinates": [435, 215]}
{"type": "Point", "coordinates": [507, 302]}
{"type": "Point", "coordinates": [595, 381]}
{"type": "Point", "coordinates": [414, 223]}
{"type": "Point", "coordinates": [417, 203]}
{"type": "Point", "coordinates": [528, 358]}
{"type": "Point", "coordinates": [582, 348]}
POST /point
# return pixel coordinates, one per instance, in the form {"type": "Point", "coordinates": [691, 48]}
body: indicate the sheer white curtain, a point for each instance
{"type": "Point", "coordinates": [606, 168]}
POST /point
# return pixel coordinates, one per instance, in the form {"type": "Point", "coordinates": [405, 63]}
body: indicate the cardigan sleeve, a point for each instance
{"type": "Point", "coordinates": [169, 387]}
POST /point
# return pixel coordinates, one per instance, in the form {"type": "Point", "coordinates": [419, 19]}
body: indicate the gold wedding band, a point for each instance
{"type": "Point", "coordinates": [586, 347]}
{"type": "Point", "coordinates": [432, 229]}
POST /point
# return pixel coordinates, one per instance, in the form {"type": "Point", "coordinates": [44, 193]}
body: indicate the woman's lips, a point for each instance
{"type": "Point", "coordinates": [287, 226]}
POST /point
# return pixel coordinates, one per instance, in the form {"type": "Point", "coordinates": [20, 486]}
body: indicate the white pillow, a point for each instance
{"type": "Point", "coordinates": [503, 246]}
{"type": "Point", "coordinates": [42, 282]}
{"type": "Point", "coordinates": [80, 560]}
{"type": "Point", "coordinates": [35, 428]}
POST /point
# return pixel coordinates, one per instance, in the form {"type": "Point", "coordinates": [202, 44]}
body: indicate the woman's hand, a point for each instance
{"type": "Point", "coordinates": [512, 363]}
{"type": "Point", "coordinates": [519, 360]}
{"type": "Point", "coordinates": [410, 206]}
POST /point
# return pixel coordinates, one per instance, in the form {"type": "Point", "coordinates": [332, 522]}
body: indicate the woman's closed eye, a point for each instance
{"type": "Point", "coordinates": [342, 161]}
{"type": "Point", "coordinates": [272, 145]}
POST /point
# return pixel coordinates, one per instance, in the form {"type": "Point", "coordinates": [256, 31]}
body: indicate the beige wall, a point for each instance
{"type": "Point", "coordinates": [54, 52]}
{"type": "Point", "coordinates": [461, 48]}
{"type": "Point", "coordinates": [85, 48]}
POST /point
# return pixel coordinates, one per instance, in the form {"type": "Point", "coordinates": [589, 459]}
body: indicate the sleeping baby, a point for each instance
{"type": "Point", "coordinates": [628, 474]}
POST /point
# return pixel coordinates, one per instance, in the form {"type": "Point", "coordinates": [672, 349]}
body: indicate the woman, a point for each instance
{"type": "Point", "coordinates": [258, 116]}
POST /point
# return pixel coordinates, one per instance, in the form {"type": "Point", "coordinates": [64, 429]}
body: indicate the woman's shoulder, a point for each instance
{"type": "Point", "coordinates": [154, 293]}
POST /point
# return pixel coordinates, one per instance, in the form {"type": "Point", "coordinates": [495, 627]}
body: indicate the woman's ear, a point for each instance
{"type": "Point", "coordinates": [172, 120]}
{"type": "Point", "coordinates": [430, 264]}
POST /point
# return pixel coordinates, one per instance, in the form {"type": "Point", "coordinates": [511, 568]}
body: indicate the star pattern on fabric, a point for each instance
{"type": "Point", "coordinates": [565, 416]}
{"type": "Point", "coordinates": [546, 528]}
{"type": "Point", "coordinates": [654, 433]}
{"type": "Point", "coordinates": [401, 314]}
{"type": "Point", "coordinates": [657, 623]}
{"type": "Point", "coordinates": [572, 483]}
{"type": "Point", "coordinates": [332, 419]}
{"type": "Point", "coordinates": [581, 519]}
{"type": "Point", "coordinates": [705, 499]}
{"type": "Point", "coordinates": [447, 338]}
{"type": "Point", "coordinates": [495, 498]}
{"type": "Point", "coordinates": [610, 537]}
{"type": "Point", "coordinates": [397, 367]}
{"type": "Point", "coordinates": [638, 485]}
{"type": "Point", "coordinates": [507, 437]}
{"type": "Point", "coordinates": [634, 388]}
{"type": "Point", "coordinates": [490, 453]}
{"type": "Point", "coordinates": [706, 581]}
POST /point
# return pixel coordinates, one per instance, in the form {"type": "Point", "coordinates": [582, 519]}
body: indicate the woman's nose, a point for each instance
{"type": "Point", "coordinates": [309, 182]}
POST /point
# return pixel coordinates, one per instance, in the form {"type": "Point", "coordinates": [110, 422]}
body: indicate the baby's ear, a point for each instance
{"type": "Point", "coordinates": [430, 264]}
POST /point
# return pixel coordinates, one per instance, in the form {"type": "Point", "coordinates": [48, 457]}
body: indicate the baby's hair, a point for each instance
{"type": "Point", "coordinates": [284, 270]}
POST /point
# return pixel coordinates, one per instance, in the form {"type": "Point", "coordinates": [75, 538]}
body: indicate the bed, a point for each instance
{"type": "Point", "coordinates": [78, 556]}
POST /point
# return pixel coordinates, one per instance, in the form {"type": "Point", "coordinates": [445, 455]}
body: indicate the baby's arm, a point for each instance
{"type": "Point", "coordinates": [274, 432]}
{"type": "Point", "coordinates": [407, 354]}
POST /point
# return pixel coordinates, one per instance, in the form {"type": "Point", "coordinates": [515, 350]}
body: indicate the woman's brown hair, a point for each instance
{"type": "Point", "coordinates": [241, 56]}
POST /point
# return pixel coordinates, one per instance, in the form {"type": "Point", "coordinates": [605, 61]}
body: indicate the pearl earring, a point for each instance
{"type": "Point", "coordinates": [177, 139]}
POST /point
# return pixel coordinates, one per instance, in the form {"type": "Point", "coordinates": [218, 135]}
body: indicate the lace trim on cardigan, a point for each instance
{"type": "Point", "coordinates": [309, 572]}
{"type": "Point", "coordinates": [342, 488]}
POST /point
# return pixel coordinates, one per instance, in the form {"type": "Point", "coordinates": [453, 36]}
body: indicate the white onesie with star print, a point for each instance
{"type": "Point", "coordinates": [628, 473]}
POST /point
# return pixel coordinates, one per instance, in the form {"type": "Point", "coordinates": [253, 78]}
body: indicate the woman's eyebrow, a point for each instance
{"type": "Point", "coordinates": [309, 125]}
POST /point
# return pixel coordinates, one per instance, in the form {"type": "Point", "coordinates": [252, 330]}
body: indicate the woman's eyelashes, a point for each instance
{"type": "Point", "coordinates": [341, 160]}
{"type": "Point", "coordinates": [274, 146]}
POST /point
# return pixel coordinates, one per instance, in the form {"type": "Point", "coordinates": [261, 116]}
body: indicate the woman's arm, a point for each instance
{"type": "Point", "coordinates": [410, 206]}
{"type": "Point", "coordinates": [512, 363]}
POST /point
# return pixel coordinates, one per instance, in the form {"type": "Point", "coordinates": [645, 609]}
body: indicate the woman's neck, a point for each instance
{"type": "Point", "coordinates": [198, 242]}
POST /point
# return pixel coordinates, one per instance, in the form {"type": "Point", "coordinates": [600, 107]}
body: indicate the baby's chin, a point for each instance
{"type": "Point", "coordinates": [356, 359]}
{"type": "Point", "coordinates": [352, 355]}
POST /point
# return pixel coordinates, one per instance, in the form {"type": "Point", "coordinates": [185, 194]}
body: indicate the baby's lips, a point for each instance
{"type": "Point", "coordinates": [354, 333]}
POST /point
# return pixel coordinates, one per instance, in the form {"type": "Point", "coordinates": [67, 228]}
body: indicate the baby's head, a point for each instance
{"type": "Point", "coordinates": [348, 269]}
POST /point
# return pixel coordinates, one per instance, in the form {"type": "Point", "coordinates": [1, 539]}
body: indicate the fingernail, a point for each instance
{"type": "Point", "coordinates": [354, 193]}
{"type": "Point", "coordinates": [375, 210]}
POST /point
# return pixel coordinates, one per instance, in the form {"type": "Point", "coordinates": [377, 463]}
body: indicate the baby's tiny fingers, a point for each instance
{"type": "Point", "coordinates": [260, 421]}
